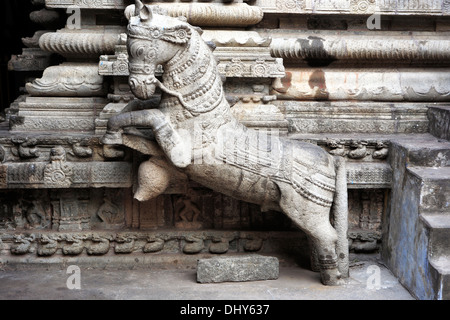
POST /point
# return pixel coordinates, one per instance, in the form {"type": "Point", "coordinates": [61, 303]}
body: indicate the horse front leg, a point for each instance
{"type": "Point", "coordinates": [175, 148]}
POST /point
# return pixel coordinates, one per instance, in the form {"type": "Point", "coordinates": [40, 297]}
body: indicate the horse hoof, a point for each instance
{"type": "Point", "coordinates": [332, 278]}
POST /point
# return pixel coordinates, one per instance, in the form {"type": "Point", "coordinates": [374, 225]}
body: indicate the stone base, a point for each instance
{"type": "Point", "coordinates": [237, 268]}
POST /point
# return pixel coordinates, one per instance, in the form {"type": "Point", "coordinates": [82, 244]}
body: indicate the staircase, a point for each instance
{"type": "Point", "coordinates": [417, 231]}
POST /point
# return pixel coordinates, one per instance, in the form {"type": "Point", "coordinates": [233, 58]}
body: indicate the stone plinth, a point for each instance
{"type": "Point", "coordinates": [246, 268]}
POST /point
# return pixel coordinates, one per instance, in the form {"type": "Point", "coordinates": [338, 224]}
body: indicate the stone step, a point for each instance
{"type": "Point", "coordinates": [439, 121]}
{"type": "Point", "coordinates": [441, 267]}
{"type": "Point", "coordinates": [423, 150]}
{"type": "Point", "coordinates": [434, 188]}
{"type": "Point", "coordinates": [438, 225]}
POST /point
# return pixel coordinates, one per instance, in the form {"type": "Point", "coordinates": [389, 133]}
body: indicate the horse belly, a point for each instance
{"type": "Point", "coordinates": [234, 182]}
{"type": "Point", "coordinates": [312, 173]}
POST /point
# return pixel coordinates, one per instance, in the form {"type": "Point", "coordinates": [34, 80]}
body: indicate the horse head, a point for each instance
{"type": "Point", "coordinates": [153, 40]}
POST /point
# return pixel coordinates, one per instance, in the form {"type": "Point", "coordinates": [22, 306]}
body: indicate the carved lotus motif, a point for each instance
{"type": "Point", "coordinates": [362, 6]}
{"type": "Point", "coordinates": [235, 68]}
{"type": "Point", "coordinates": [290, 5]}
{"type": "Point", "coordinates": [58, 172]}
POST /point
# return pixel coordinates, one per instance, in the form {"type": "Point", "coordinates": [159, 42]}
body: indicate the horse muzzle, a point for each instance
{"type": "Point", "coordinates": [142, 89]}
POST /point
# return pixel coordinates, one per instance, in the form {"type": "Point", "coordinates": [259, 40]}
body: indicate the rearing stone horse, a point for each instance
{"type": "Point", "coordinates": [300, 179]}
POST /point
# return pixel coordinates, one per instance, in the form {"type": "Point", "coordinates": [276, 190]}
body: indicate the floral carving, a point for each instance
{"type": "Point", "coordinates": [58, 172]}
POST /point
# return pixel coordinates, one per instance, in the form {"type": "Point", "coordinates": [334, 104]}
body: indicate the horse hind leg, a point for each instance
{"type": "Point", "coordinates": [314, 220]}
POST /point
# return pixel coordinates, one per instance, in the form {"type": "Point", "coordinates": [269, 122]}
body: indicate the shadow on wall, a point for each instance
{"type": "Point", "coordinates": [15, 24]}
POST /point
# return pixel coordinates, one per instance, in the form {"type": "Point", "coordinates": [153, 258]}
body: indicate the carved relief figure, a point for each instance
{"type": "Point", "coordinates": [188, 212]}
{"type": "Point", "coordinates": [300, 179]}
{"type": "Point", "coordinates": [109, 212]}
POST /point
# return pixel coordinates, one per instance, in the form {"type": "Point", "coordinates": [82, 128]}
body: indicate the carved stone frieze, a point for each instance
{"type": "Point", "coordinates": [82, 175]}
{"type": "Point", "coordinates": [111, 211]}
{"type": "Point", "coordinates": [393, 7]}
{"type": "Point", "coordinates": [362, 46]}
{"type": "Point", "coordinates": [53, 113]}
{"type": "Point", "coordinates": [373, 176]}
{"type": "Point", "coordinates": [58, 174]}
{"type": "Point", "coordinates": [66, 243]}
{"type": "Point", "coordinates": [308, 117]}
{"type": "Point", "coordinates": [86, 4]}
{"type": "Point", "coordinates": [364, 84]}
{"type": "Point", "coordinates": [70, 212]}
{"type": "Point", "coordinates": [359, 149]}
{"type": "Point", "coordinates": [26, 147]}
{"type": "Point", "coordinates": [69, 80]}
{"type": "Point", "coordinates": [261, 116]}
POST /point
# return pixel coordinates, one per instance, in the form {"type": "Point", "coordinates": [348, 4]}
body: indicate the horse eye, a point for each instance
{"type": "Point", "coordinates": [140, 51]}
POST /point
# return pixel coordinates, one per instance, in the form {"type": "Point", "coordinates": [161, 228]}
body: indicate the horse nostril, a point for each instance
{"type": "Point", "coordinates": [132, 84]}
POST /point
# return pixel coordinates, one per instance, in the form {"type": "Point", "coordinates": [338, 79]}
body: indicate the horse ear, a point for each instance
{"type": "Point", "coordinates": [179, 35]}
{"type": "Point", "coordinates": [146, 13]}
{"type": "Point", "coordinates": [138, 7]}
{"type": "Point", "coordinates": [130, 12]}
{"type": "Point", "coordinates": [198, 29]}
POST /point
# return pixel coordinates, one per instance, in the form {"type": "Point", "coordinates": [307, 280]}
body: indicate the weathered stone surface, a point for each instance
{"type": "Point", "coordinates": [77, 215]}
{"type": "Point", "coordinates": [432, 7]}
{"type": "Point", "coordinates": [77, 175]}
{"type": "Point", "coordinates": [31, 59]}
{"type": "Point", "coordinates": [372, 84]}
{"type": "Point", "coordinates": [62, 114]}
{"type": "Point", "coordinates": [418, 190]}
{"type": "Point", "coordinates": [69, 80]}
{"type": "Point", "coordinates": [439, 121]}
{"type": "Point", "coordinates": [199, 13]}
{"type": "Point", "coordinates": [238, 268]}
{"type": "Point", "coordinates": [354, 117]}
{"type": "Point", "coordinates": [89, 43]}
{"type": "Point", "coordinates": [362, 46]}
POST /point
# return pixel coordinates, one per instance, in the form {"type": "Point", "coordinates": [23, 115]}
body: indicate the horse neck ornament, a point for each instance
{"type": "Point", "coordinates": [299, 179]}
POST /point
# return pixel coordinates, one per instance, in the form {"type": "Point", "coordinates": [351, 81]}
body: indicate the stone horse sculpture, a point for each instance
{"type": "Point", "coordinates": [300, 179]}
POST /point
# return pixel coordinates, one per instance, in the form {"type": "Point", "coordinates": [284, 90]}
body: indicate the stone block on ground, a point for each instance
{"type": "Point", "coordinates": [237, 269]}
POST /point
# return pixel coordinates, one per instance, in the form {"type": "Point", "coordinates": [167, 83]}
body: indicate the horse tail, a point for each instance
{"type": "Point", "coordinates": [340, 216]}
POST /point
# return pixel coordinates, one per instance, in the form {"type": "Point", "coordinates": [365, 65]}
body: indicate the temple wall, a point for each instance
{"type": "Point", "coordinates": [351, 76]}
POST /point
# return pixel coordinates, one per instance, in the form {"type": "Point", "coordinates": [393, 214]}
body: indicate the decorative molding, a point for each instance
{"type": "Point", "coordinates": [198, 13]}
{"type": "Point", "coordinates": [363, 47]}
{"type": "Point", "coordinates": [69, 80]}
{"type": "Point", "coordinates": [90, 43]}
{"type": "Point", "coordinates": [371, 84]}
{"type": "Point", "coordinates": [92, 174]}
{"type": "Point", "coordinates": [205, 14]}
{"type": "Point", "coordinates": [354, 117]}
{"type": "Point", "coordinates": [355, 7]}
{"type": "Point", "coordinates": [58, 174]}
{"type": "Point", "coordinates": [57, 114]}
{"type": "Point", "coordinates": [66, 243]}
{"type": "Point", "coordinates": [371, 176]}
{"type": "Point", "coordinates": [86, 4]}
